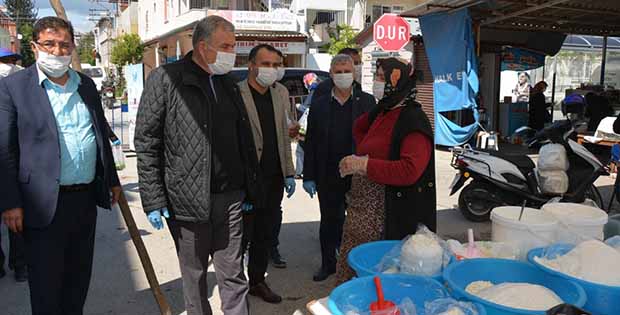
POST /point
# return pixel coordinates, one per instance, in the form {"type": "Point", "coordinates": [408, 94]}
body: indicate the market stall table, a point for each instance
{"type": "Point", "coordinates": [581, 140]}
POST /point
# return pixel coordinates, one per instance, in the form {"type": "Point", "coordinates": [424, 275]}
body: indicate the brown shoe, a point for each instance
{"type": "Point", "coordinates": [262, 291]}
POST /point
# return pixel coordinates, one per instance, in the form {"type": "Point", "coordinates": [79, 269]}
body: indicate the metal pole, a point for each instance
{"type": "Point", "coordinates": [553, 88]}
{"type": "Point", "coordinates": [122, 123]}
{"type": "Point", "coordinates": [604, 62]}
{"type": "Point", "coordinates": [113, 123]}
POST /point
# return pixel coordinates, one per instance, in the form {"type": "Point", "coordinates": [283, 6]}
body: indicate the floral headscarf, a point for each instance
{"type": "Point", "coordinates": [399, 82]}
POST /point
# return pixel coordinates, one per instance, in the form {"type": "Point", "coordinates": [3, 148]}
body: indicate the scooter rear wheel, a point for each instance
{"type": "Point", "coordinates": [477, 200]}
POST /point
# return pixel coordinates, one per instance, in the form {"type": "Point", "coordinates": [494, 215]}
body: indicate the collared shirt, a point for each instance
{"type": "Point", "coordinates": [270, 157]}
{"type": "Point", "coordinates": [338, 100]}
{"type": "Point", "coordinates": [76, 134]}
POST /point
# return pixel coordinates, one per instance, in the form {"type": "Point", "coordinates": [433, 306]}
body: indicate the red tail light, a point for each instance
{"type": "Point", "coordinates": [461, 164]}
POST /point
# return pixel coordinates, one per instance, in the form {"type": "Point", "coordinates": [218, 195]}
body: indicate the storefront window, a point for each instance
{"type": "Point", "coordinates": [221, 4]}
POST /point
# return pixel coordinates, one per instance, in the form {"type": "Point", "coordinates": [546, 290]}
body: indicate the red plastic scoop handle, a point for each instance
{"type": "Point", "coordinates": [381, 305]}
{"type": "Point", "coordinates": [380, 297]}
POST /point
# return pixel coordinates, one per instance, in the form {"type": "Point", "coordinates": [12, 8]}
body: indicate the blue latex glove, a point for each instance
{"type": "Point", "coordinates": [310, 188]}
{"type": "Point", "coordinates": [117, 142]}
{"type": "Point", "coordinates": [289, 186]}
{"type": "Point", "coordinates": [155, 217]}
{"type": "Point", "coordinates": [247, 207]}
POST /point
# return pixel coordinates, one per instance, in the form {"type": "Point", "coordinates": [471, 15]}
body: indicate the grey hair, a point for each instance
{"type": "Point", "coordinates": [207, 26]}
{"type": "Point", "coordinates": [341, 58]}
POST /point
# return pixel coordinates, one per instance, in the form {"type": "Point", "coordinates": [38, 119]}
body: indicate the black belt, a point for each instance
{"type": "Point", "coordinates": [75, 188]}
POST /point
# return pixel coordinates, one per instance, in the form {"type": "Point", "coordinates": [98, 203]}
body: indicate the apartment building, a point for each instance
{"type": "Point", "coordinates": [166, 26]}
{"type": "Point", "coordinates": [8, 31]}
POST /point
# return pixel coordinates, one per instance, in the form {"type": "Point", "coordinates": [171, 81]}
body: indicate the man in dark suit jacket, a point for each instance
{"type": "Point", "coordinates": [329, 138]}
{"type": "Point", "coordinates": [57, 167]}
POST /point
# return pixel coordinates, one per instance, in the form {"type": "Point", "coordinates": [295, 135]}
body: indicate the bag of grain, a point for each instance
{"type": "Point", "coordinates": [552, 157]}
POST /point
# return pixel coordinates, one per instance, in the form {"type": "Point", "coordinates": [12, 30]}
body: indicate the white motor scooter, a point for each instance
{"type": "Point", "coordinates": [498, 179]}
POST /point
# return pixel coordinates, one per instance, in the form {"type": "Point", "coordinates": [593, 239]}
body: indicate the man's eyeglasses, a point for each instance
{"type": "Point", "coordinates": [50, 45]}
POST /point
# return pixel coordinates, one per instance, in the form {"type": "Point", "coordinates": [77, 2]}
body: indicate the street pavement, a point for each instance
{"type": "Point", "coordinates": [119, 285]}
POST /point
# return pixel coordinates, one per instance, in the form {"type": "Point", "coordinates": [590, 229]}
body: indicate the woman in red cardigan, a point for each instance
{"type": "Point", "coordinates": [393, 185]}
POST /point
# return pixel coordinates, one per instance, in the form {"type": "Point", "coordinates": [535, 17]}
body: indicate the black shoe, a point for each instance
{"type": "Point", "coordinates": [323, 274]}
{"type": "Point", "coordinates": [262, 291]}
{"type": "Point", "coordinates": [21, 274]}
{"type": "Point", "coordinates": [2, 272]}
{"type": "Point", "coordinates": [276, 259]}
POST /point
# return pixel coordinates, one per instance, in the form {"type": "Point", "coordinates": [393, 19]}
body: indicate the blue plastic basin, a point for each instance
{"type": "Point", "coordinates": [361, 292]}
{"type": "Point", "coordinates": [602, 299]}
{"type": "Point", "coordinates": [459, 275]}
{"type": "Point", "coordinates": [365, 258]}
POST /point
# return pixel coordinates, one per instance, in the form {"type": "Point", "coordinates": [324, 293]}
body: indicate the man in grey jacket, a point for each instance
{"type": "Point", "coordinates": [197, 164]}
{"type": "Point", "coordinates": [267, 105]}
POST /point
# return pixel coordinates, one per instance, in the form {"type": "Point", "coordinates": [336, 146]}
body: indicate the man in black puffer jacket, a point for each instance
{"type": "Point", "coordinates": [198, 165]}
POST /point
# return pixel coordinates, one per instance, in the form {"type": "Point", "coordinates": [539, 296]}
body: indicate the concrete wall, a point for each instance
{"type": "Point", "coordinates": [128, 20]}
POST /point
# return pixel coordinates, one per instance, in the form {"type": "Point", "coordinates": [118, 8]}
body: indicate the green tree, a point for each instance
{"type": "Point", "coordinates": [86, 48]}
{"type": "Point", "coordinates": [343, 37]}
{"type": "Point", "coordinates": [128, 49]}
{"type": "Point", "coordinates": [24, 13]}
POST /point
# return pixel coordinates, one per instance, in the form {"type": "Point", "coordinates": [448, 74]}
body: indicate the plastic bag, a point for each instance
{"type": "Point", "coordinates": [119, 157]}
{"type": "Point", "coordinates": [450, 307]}
{"type": "Point", "coordinates": [566, 309]}
{"type": "Point", "coordinates": [614, 242]}
{"type": "Point", "coordinates": [303, 122]}
{"type": "Point", "coordinates": [553, 182]}
{"type": "Point", "coordinates": [422, 254]}
{"type": "Point", "coordinates": [592, 261]}
{"type": "Point", "coordinates": [552, 157]}
{"type": "Point", "coordinates": [405, 307]}
{"type": "Point", "coordinates": [488, 249]}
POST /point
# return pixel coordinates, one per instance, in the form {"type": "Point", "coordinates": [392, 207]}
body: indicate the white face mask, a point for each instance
{"type": "Point", "coordinates": [343, 81]}
{"type": "Point", "coordinates": [52, 65]}
{"type": "Point", "coordinates": [378, 89]}
{"type": "Point", "coordinates": [224, 62]}
{"type": "Point", "coordinates": [358, 73]}
{"type": "Point", "coordinates": [281, 72]}
{"type": "Point", "coordinates": [267, 76]}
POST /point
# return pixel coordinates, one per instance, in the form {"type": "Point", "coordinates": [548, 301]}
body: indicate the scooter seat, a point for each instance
{"type": "Point", "coordinates": [523, 162]}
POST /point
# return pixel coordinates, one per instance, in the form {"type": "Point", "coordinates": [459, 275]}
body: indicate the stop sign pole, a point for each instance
{"type": "Point", "coordinates": [391, 32]}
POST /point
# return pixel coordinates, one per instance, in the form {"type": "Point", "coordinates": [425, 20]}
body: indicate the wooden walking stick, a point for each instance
{"type": "Point", "coordinates": [144, 255]}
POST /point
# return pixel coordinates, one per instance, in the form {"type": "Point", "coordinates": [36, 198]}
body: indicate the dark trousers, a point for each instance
{"type": "Point", "coordinates": [17, 254]}
{"type": "Point", "coordinates": [219, 238]}
{"type": "Point", "coordinates": [260, 227]}
{"type": "Point", "coordinates": [332, 206]}
{"type": "Point", "coordinates": [276, 230]}
{"type": "Point", "coordinates": [60, 256]}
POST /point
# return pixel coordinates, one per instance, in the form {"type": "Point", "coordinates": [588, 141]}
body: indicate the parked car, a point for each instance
{"type": "Point", "coordinates": [293, 80]}
{"type": "Point", "coordinates": [96, 73]}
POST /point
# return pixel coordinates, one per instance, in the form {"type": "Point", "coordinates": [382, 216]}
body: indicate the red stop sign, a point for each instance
{"type": "Point", "coordinates": [391, 32]}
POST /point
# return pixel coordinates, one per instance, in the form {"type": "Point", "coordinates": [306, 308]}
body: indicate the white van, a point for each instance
{"type": "Point", "coordinates": [96, 73]}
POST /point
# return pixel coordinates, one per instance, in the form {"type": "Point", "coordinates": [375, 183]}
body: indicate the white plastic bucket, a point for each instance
{"type": "Point", "coordinates": [578, 222]}
{"type": "Point", "coordinates": [536, 228]}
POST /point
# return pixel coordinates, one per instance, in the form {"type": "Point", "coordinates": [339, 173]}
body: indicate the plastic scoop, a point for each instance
{"type": "Point", "coordinates": [381, 306]}
{"type": "Point", "coordinates": [472, 249]}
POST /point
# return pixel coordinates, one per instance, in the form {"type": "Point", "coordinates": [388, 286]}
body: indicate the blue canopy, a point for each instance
{"type": "Point", "coordinates": [449, 44]}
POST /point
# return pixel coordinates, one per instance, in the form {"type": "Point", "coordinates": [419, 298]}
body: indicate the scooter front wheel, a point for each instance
{"type": "Point", "coordinates": [477, 200]}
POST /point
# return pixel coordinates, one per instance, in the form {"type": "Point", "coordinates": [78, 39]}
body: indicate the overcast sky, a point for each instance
{"type": "Point", "coordinates": [77, 11]}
